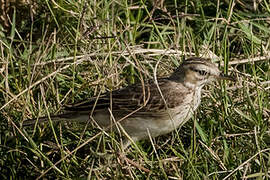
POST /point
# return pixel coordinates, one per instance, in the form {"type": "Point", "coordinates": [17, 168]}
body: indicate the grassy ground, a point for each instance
{"type": "Point", "coordinates": [65, 51]}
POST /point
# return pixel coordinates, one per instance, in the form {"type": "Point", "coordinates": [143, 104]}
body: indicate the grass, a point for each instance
{"type": "Point", "coordinates": [74, 50]}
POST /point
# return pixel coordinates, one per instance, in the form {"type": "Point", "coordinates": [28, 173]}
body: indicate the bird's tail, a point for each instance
{"type": "Point", "coordinates": [68, 116]}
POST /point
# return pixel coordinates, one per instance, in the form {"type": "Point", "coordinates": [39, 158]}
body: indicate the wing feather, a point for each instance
{"type": "Point", "coordinates": [145, 97]}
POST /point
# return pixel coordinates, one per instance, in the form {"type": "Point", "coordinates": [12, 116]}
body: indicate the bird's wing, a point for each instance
{"type": "Point", "coordinates": [139, 97]}
{"type": "Point", "coordinates": [138, 100]}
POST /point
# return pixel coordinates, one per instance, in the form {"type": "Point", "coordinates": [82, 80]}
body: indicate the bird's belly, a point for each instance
{"type": "Point", "coordinates": [175, 120]}
{"type": "Point", "coordinates": [142, 128]}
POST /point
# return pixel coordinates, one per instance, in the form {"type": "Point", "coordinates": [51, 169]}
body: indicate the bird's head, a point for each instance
{"type": "Point", "coordinates": [196, 72]}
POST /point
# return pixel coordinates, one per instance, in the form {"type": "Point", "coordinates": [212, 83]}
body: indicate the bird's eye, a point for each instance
{"type": "Point", "coordinates": [201, 72]}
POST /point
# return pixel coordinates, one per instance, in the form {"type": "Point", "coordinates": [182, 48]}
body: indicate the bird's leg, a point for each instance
{"type": "Point", "coordinates": [125, 143]}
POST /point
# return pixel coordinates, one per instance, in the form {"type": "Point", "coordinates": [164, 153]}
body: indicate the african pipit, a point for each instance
{"type": "Point", "coordinates": [150, 108]}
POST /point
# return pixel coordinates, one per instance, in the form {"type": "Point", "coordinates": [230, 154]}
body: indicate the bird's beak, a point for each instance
{"type": "Point", "coordinates": [226, 77]}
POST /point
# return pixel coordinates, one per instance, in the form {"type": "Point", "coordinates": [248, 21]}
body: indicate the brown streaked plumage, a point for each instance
{"type": "Point", "coordinates": [154, 108]}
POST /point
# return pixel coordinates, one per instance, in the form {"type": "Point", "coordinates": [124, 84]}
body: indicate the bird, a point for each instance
{"type": "Point", "coordinates": [152, 108]}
